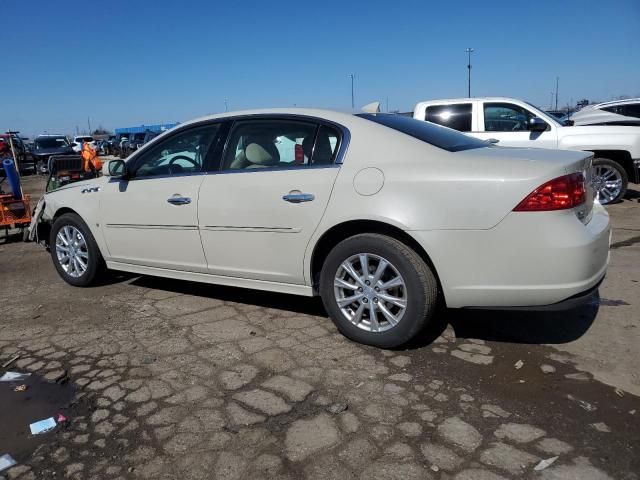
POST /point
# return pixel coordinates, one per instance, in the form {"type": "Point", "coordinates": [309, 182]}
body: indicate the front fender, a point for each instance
{"type": "Point", "coordinates": [81, 198]}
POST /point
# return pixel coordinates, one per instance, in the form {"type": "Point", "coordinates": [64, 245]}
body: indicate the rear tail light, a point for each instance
{"type": "Point", "coordinates": [561, 193]}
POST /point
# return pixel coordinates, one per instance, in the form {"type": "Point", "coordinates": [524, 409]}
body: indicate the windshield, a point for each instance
{"type": "Point", "coordinates": [545, 116]}
{"type": "Point", "coordinates": [51, 142]}
{"type": "Point", "coordinates": [441, 137]}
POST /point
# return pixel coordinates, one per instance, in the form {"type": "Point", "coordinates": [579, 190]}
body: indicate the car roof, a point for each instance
{"type": "Point", "coordinates": [615, 102]}
{"type": "Point", "coordinates": [330, 115]}
{"type": "Point", "coordinates": [469, 99]}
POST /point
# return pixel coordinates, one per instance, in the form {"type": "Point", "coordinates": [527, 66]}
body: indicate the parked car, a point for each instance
{"type": "Point", "coordinates": [137, 140]}
{"type": "Point", "coordinates": [619, 112]}
{"type": "Point", "coordinates": [381, 215]}
{"type": "Point", "coordinates": [24, 157]}
{"type": "Point", "coordinates": [514, 123]}
{"type": "Point", "coordinates": [79, 140]}
{"type": "Point", "coordinates": [47, 145]}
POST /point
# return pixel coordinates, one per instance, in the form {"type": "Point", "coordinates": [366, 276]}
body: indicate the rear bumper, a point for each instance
{"type": "Point", "coordinates": [530, 259]}
{"type": "Point", "coordinates": [575, 301]}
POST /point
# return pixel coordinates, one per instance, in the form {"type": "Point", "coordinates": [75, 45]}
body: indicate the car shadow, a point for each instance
{"type": "Point", "coordinates": [632, 195]}
{"type": "Point", "coordinates": [279, 301]}
{"type": "Point", "coordinates": [12, 236]}
{"type": "Point", "coordinates": [508, 326]}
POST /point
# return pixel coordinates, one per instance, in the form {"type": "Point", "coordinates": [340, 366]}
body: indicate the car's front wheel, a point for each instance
{"type": "Point", "coordinates": [74, 251]}
{"type": "Point", "coordinates": [377, 290]}
{"type": "Point", "coordinates": [610, 180]}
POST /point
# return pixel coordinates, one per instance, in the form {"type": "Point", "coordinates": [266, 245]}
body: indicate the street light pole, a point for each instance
{"type": "Point", "coordinates": [353, 104]}
{"type": "Point", "coordinates": [557, 79]}
{"type": "Point", "coordinates": [469, 51]}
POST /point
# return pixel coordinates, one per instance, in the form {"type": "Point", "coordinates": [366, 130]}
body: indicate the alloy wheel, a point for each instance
{"type": "Point", "coordinates": [370, 292]}
{"type": "Point", "coordinates": [71, 251]}
{"type": "Point", "coordinates": [607, 182]}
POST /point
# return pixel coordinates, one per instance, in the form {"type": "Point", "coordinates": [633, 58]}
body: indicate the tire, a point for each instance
{"type": "Point", "coordinates": [419, 290]}
{"type": "Point", "coordinates": [606, 195]}
{"type": "Point", "coordinates": [70, 224]}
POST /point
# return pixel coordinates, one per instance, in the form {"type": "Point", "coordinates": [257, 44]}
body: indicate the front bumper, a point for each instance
{"type": "Point", "coordinates": [530, 259]}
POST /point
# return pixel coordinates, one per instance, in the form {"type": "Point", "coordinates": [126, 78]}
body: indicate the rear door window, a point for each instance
{"type": "Point", "coordinates": [456, 116]}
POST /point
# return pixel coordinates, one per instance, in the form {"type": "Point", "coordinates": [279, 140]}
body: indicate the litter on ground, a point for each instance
{"type": "Point", "coordinates": [42, 426]}
{"type": "Point", "coordinates": [14, 377]}
{"type": "Point", "coordinates": [6, 461]}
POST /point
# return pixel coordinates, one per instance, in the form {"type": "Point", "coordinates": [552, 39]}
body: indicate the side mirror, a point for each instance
{"type": "Point", "coordinates": [115, 169]}
{"type": "Point", "coordinates": [536, 124]}
{"type": "Point", "coordinates": [568, 123]}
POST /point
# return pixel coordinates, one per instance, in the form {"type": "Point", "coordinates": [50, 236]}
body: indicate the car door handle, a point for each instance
{"type": "Point", "coordinates": [493, 140]}
{"type": "Point", "coordinates": [177, 200]}
{"type": "Point", "coordinates": [295, 196]}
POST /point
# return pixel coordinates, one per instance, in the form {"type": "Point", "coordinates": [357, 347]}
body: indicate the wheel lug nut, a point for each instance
{"type": "Point", "coordinates": [375, 300]}
{"type": "Point", "coordinates": [365, 300]}
{"type": "Point", "coordinates": [377, 289]}
{"type": "Point", "coordinates": [367, 282]}
{"type": "Point", "coordinates": [360, 289]}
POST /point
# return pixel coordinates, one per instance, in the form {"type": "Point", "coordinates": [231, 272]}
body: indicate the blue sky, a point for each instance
{"type": "Point", "coordinates": [129, 62]}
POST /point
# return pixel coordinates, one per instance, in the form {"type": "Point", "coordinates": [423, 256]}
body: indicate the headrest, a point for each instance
{"type": "Point", "coordinates": [257, 154]}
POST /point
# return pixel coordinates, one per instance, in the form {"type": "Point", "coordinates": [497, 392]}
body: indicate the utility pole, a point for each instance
{"type": "Point", "coordinates": [89, 123]}
{"type": "Point", "coordinates": [557, 79]}
{"type": "Point", "coordinates": [551, 103]}
{"type": "Point", "coordinates": [469, 51]}
{"type": "Point", "coordinates": [353, 103]}
{"type": "Point", "coordinates": [226, 105]}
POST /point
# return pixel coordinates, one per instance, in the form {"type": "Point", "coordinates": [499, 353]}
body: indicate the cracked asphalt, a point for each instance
{"type": "Point", "coordinates": [177, 380]}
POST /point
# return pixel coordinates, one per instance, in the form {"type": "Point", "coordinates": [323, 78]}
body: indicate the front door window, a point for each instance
{"type": "Point", "coordinates": [506, 117]}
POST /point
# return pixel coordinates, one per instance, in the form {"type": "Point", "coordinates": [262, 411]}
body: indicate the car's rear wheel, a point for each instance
{"type": "Point", "coordinates": [377, 290]}
{"type": "Point", "coordinates": [610, 180]}
{"type": "Point", "coordinates": [74, 251]}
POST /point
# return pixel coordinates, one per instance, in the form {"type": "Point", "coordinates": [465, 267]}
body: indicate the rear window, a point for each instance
{"type": "Point", "coordinates": [456, 116]}
{"type": "Point", "coordinates": [435, 135]}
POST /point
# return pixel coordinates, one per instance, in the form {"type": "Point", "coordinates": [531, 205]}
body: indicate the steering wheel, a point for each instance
{"type": "Point", "coordinates": [183, 157]}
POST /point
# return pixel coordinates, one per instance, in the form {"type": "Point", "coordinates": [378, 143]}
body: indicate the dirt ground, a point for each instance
{"type": "Point", "coordinates": [177, 380]}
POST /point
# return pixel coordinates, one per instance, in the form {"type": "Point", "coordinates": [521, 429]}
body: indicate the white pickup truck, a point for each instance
{"type": "Point", "coordinates": [514, 123]}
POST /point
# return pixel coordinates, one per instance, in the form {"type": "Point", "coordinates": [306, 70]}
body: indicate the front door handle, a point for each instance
{"type": "Point", "coordinates": [296, 196]}
{"type": "Point", "coordinates": [493, 140]}
{"type": "Point", "coordinates": [178, 200]}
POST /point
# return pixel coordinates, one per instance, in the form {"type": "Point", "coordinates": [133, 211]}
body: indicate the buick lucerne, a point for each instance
{"type": "Point", "coordinates": [381, 215]}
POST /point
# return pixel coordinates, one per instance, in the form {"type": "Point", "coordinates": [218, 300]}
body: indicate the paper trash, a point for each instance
{"type": "Point", "coordinates": [14, 377]}
{"type": "Point", "coordinates": [6, 461]}
{"type": "Point", "coordinates": [42, 426]}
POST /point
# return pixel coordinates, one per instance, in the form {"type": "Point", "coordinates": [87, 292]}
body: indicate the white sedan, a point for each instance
{"type": "Point", "coordinates": [381, 215]}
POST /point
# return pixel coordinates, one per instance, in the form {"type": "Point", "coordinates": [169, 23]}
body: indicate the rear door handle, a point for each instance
{"type": "Point", "coordinates": [296, 196]}
{"type": "Point", "coordinates": [178, 200]}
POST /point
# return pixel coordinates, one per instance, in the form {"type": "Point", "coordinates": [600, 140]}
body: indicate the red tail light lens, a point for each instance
{"type": "Point", "coordinates": [561, 193]}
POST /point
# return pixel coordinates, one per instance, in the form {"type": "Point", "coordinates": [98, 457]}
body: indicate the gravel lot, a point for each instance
{"type": "Point", "coordinates": [187, 381]}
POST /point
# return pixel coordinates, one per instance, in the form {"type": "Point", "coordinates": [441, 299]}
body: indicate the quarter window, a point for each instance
{"type": "Point", "coordinates": [456, 116]}
{"type": "Point", "coordinates": [278, 143]}
{"type": "Point", "coordinates": [506, 117]}
{"type": "Point", "coordinates": [182, 153]}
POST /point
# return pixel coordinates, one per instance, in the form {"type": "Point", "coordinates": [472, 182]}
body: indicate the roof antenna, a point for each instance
{"type": "Point", "coordinates": [373, 107]}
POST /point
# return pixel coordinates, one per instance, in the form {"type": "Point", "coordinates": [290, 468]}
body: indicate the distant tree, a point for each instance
{"type": "Point", "coordinates": [101, 131]}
